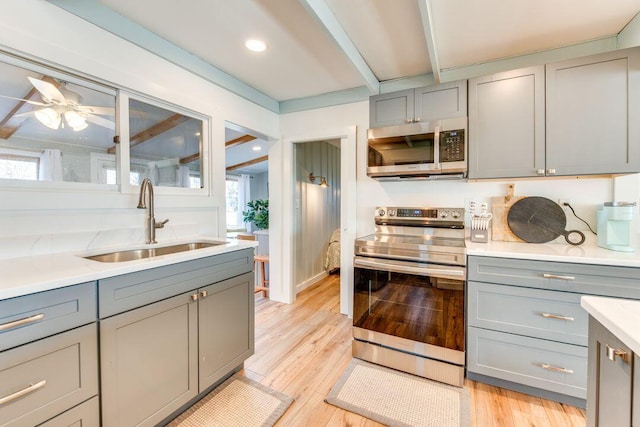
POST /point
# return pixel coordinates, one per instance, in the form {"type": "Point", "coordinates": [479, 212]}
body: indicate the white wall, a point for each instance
{"type": "Point", "coordinates": [95, 215]}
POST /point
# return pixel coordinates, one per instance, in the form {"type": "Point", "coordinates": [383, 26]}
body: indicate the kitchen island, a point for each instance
{"type": "Point", "coordinates": [614, 345]}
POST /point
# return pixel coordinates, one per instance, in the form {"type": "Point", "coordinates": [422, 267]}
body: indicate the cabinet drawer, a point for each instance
{"type": "Point", "coordinates": [31, 317]}
{"type": "Point", "coordinates": [547, 365]}
{"type": "Point", "coordinates": [537, 313]}
{"type": "Point", "coordinates": [580, 278]}
{"type": "Point", "coordinates": [43, 379]}
{"type": "Point", "coordinates": [86, 414]}
{"type": "Point", "coordinates": [121, 293]}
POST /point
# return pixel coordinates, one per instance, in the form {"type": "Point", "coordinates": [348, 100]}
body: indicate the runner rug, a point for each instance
{"type": "Point", "coordinates": [238, 402]}
{"type": "Point", "coordinates": [398, 399]}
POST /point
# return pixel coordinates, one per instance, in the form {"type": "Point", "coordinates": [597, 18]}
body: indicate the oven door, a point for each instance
{"type": "Point", "coordinates": [411, 307]}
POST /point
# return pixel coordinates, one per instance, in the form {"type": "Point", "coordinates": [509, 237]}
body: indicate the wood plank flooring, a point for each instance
{"type": "Point", "coordinates": [303, 348]}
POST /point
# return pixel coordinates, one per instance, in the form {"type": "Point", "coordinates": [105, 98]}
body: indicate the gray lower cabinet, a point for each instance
{"type": "Point", "coordinates": [526, 329]}
{"type": "Point", "coordinates": [446, 100]}
{"type": "Point", "coordinates": [45, 378]}
{"type": "Point", "coordinates": [149, 361]}
{"type": "Point", "coordinates": [611, 381]}
{"type": "Point", "coordinates": [86, 414]}
{"type": "Point", "coordinates": [226, 332]}
{"type": "Point", "coordinates": [157, 358]}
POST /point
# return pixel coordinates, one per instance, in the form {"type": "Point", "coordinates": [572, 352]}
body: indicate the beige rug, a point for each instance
{"type": "Point", "coordinates": [238, 402]}
{"type": "Point", "coordinates": [397, 399]}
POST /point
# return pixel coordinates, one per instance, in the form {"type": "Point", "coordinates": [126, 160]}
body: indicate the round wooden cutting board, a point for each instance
{"type": "Point", "coordinates": [540, 220]}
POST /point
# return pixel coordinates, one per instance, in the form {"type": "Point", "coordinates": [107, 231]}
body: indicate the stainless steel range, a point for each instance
{"type": "Point", "coordinates": [408, 305]}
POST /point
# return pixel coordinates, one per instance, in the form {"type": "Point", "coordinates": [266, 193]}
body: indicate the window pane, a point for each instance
{"type": "Point", "coordinates": [18, 167]}
{"type": "Point", "coordinates": [60, 123]}
{"type": "Point", "coordinates": [167, 145]}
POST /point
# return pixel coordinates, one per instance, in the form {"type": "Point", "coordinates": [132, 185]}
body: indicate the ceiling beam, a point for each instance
{"type": "Point", "coordinates": [426, 16]}
{"type": "Point", "coordinates": [630, 34]}
{"type": "Point", "coordinates": [320, 9]}
{"type": "Point", "coordinates": [247, 163]}
{"type": "Point", "coordinates": [240, 140]}
{"type": "Point", "coordinates": [155, 130]}
{"type": "Point", "coordinates": [189, 159]}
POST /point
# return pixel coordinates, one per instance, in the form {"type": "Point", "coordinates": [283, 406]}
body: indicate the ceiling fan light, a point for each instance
{"type": "Point", "coordinates": [48, 117]}
{"type": "Point", "coordinates": [75, 120]}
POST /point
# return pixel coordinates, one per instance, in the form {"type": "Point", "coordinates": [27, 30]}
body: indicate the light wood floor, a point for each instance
{"type": "Point", "coordinates": [303, 348]}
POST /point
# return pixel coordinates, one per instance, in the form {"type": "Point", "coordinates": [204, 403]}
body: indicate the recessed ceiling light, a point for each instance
{"type": "Point", "coordinates": [256, 45]}
{"type": "Point", "coordinates": [257, 148]}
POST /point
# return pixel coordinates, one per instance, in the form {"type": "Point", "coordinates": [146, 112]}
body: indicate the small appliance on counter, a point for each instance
{"type": "Point", "coordinates": [617, 229]}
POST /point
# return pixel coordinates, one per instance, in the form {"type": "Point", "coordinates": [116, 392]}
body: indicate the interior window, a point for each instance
{"type": "Point", "coordinates": [165, 145]}
{"type": "Point", "coordinates": [234, 215]}
{"type": "Point", "coordinates": [55, 121]}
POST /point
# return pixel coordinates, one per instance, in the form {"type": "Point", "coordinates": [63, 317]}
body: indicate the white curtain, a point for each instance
{"type": "Point", "coordinates": [244, 196]}
{"type": "Point", "coordinates": [152, 172]}
{"type": "Point", "coordinates": [182, 176]}
{"type": "Point", "coordinates": [50, 165]}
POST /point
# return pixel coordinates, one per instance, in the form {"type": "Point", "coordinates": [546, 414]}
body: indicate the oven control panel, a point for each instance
{"type": "Point", "coordinates": [419, 216]}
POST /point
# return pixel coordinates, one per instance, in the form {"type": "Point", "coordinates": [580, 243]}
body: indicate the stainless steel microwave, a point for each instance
{"type": "Point", "coordinates": [423, 150]}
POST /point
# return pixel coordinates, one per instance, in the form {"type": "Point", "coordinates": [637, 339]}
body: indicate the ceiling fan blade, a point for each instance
{"type": "Point", "coordinates": [28, 101]}
{"type": "Point", "coordinates": [48, 91]}
{"type": "Point", "coordinates": [93, 109]}
{"type": "Point", "coordinates": [99, 121]}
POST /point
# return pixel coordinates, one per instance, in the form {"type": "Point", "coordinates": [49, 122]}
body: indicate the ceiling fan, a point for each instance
{"type": "Point", "coordinates": [60, 103]}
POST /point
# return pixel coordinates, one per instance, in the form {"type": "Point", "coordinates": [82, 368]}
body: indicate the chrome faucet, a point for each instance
{"type": "Point", "coordinates": [150, 223]}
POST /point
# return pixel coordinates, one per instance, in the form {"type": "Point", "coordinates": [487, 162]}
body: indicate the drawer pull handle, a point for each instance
{"type": "Point", "coordinates": [557, 276]}
{"type": "Point", "coordinates": [556, 316]}
{"type": "Point", "coordinates": [612, 353]}
{"type": "Point", "coordinates": [31, 388]}
{"type": "Point", "coordinates": [204, 294]}
{"type": "Point", "coordinates": [556, 369]}
{"type": "Point", "coordinates": [21, 322]}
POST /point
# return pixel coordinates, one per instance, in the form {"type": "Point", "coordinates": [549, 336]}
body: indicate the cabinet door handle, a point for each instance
{"type": "Point", "coordinates": [204, 294]}
{"type": "Point", "coordinates": [540, 172]}
{"type": "Point", "coordinates": [551, 171]}
{"type": "Point", "coordinates": [556, 368]}
{"type": "Point", "coordinates": [612, 353]}
{"type": "Point", "coordinates": [21, 322]}
{"type": "Point", "coordinates": [556, 276]}
{"type": "Point", "coordinates": [557, 316]}
{"type": "Point", "coordinates": [194, 297]}
{"type": "Point", "coordinates": [30, 389]}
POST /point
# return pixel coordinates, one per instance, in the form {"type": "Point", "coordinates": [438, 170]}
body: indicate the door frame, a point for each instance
{"type": "Point", "coordinates": [282, 210]}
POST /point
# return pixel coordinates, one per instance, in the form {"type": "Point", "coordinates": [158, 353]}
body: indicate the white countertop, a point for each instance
{"type": "Point", "coordinates": [26, 275]}
{"type": "Point", "coordinates": [558, 250]}
{"type": "Point", "coordinates": [619, 316]}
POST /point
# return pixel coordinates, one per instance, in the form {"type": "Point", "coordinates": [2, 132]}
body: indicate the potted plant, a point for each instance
{"type": "Point", "coordinates": [257, 213]}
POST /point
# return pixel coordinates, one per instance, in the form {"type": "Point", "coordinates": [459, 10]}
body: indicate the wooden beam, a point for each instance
{"type": "Point", "coordinates": [238, 141]}
{"type": "Point", "coordinates": [155, 130]}
{"type": "Point", "coordinates": [189, 159]}
{"type": "Point", "coordinates": [248, 163]}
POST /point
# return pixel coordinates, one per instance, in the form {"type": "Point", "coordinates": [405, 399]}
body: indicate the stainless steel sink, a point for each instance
{"type": "Point", "coordinates": [132, 255]}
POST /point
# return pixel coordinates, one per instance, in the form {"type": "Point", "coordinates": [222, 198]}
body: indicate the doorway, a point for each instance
{"type": "Point", "coordinates": [316, 227]}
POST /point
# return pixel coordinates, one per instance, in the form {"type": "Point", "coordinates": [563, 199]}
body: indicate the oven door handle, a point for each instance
{"type": "Point", "coordinates": [405, 267]}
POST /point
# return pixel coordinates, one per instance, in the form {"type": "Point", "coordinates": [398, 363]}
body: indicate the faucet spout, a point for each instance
{"type": "Point", "coordinates": [150, 223]}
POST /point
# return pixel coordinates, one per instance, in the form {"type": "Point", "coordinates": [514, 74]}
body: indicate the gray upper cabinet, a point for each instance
{"type": "Point", "coordinates": [577, 117]}
{"type": "Point", "coordinates": [419, 105]}
{"type": "Point", "coordinates": [506, 124]}
{"type": "Point", "coordinates": [593, 105]}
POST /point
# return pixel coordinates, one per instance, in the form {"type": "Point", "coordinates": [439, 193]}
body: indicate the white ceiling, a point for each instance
{"type": "Point", "coordinates": [355, 48]}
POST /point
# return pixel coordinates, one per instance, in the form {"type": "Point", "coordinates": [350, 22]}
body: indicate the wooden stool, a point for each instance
{"type": "Point", "coordinates": [263, 285]}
